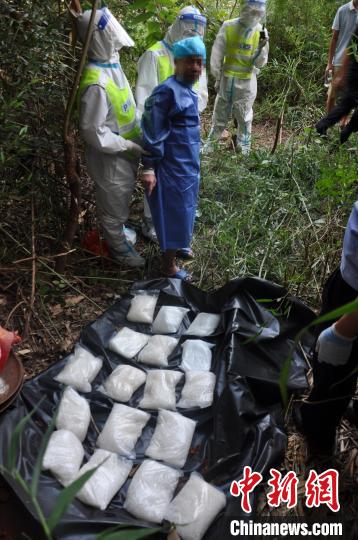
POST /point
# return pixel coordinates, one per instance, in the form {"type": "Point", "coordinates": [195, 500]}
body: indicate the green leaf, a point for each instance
{"type": "Point", "coordinates": [284, 378]}
{"type": "Point", "coordinates": [66, 497]}
{"type": "Point", "coordinates": [122, 532]}
{"type": "Point", "coordinates": [38, 465]}
{"type": "Point", "coordinates": [15, 438]}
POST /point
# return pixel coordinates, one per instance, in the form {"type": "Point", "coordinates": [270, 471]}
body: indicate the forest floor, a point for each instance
{"type": "Point", "coordinates": [51, 310]}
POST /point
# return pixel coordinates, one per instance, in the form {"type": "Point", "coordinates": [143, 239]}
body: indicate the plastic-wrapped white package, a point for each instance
{"type": "Point", "coordinates": [142, 308]}
{"type": "Point", "coordinates": [159, 391]}
{"type": "Point", "coordinates": [203, 325]}
{"type": "Point", "coordinates": [156, 352]}
{"type": "Point", "coordinates": [196, 355]}
{"type": "Point", "coordinates": [108, 479]}
{"type": "Point", "coordinates": [151, 491]}
{"type": "Point", "coordinates": [127, 342]}
{"type": "Point", "coordinates": [74, 413]}
{"type": "Point", "coordinates": [198, 390]}
{"type": "Point", "coordinates": [81, 369]}
{"type": "Point", "coordinates": [195, 508]}
{"type": "Point", "coordinates": [169, 319]}
{"type": "Point", "coordinates": [122, 429]}
{"type": "Point", "coordinates": [123, 382]}
{"type": "Point", "coordinates": [63, 456]}
{"type": "Point", "coordinates": [172, 438]}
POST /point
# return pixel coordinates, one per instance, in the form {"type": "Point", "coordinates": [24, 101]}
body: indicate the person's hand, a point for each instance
{"type": "Point", "coordinates": [149, 181]}
{"type": "Point", "coordinates": [217, 86]}
{"type": "Point", "coordinates": [136, 149]}
{"type": "Point", "coordinates": [332, 348]}
{"type": "Point", "coordinates": [329, 68]}
{"type": "Point", "coordinates": [262, 42]}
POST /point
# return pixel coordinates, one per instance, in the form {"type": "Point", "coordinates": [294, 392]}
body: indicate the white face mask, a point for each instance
{"type": "Point", "coordinates": [251, 17]}
{"type": "Point", "coordinates": [192, 29]}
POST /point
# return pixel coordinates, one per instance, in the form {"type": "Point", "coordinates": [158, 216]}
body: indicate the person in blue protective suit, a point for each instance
{"type": "Point", "coordinates": [171, 134]}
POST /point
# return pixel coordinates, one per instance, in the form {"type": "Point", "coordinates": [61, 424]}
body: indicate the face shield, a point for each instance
{"type": "Point", "coordinates": [192, 25]}
{"type": "Point", "coordinates": [108, 36]}
{"type": "Point", "coordinates": [252, 14]}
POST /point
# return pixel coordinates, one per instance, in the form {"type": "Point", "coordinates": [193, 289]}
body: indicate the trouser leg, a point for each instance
{"type": "Point", "coordinates": [244, 99]}
{"type": "Point", "coordinates": [343, 108]}
{"type": "Point", "coordinates": [222, 107]}
{"type": "Point", "coordinates": [333, 386]}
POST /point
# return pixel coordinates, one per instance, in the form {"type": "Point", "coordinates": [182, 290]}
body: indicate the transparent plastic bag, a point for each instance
{"type": "Point", "coordinates": [195, 508]}
{"type": "Point", "coordinates": [128, 343]}
{"type": "Point", "coordinates": [74, 413]}
{"type": "Point", "coordinates": [122, 429]}
{"type": "Point", "coordinates": [108, 479]}
{"type": "Point", "coordinates": [142, 307]}
{"type": "Point", "coordinates": [169, 319]}
{"type": "Point", "coordinates": [151, 491]}
{"type": "Point", "coordinates": [172, 438]}
{"type": "Point", "coordinates": [157, 350]}
{"type": "Point", "coordinates": [204, 325]}
{"type": "Point", "coordinates": [63, 456]}
{"type": "Point", "coordinates": [81, 369]}
{"type": "Point", "coordinates": [196, 355]}
{"type": "Point", "coordinates": [123, 382]}
{"type": "Point", "coordinates": [198, 390]}
{"type": "Point", "coordinates": [159, 391]}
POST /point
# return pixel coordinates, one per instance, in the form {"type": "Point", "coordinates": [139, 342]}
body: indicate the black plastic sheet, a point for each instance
{"type": "Point", "coordinates": [244, 426]}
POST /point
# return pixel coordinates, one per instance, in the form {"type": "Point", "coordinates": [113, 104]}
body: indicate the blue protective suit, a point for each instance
{"type": "Point", "coordinates": [171, 133]}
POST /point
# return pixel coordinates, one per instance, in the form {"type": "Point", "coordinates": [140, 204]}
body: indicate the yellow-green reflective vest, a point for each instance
{"type": "Point", "coordinates": [164, 65]}
{"type": "Point", "coordinates": [121, 100]}
{"type": "Point", "coordinates": [240, 50]}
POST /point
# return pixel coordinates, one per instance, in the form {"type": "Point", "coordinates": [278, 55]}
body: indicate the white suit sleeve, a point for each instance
{"type": "Point", "coordinates": [262, 54]}
{"type": "Point", "coordinates": [93, 116]}
{"type": "Point", "coordinates": [147, 80]}
{"type": "Point", "coordinates": [218, 54]}
{"type": "Point", "coordinates": [203, 91]}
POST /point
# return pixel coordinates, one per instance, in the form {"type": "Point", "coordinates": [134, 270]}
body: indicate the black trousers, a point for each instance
{"type": "Point", "coordinates": [348, 102]}
{"type": "Point", "coordinates": [334, 383]}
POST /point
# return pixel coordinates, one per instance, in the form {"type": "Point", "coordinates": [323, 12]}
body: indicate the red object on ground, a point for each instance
{"type": "Point", "coordinates": [7, 339]}
{"type": "Point", "coordinates": [93, 243]}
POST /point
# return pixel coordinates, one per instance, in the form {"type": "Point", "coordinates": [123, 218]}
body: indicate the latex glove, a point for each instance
{"type": "Point", "coordinates": [136, 149]}
{"type": "Point", "coordinates": [217, 86]}
{"type": "Point", "coordinates": [332, 348]}
{"type": "Point", "coordinates": [149, 181]}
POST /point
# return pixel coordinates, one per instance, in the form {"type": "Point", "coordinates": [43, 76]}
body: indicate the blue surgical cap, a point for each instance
{"type": "Point", "coordinates": [192, 46]}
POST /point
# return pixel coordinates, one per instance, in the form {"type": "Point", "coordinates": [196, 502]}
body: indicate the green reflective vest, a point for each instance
{"type": "Point", "coordinates": [121, 100]}
{"type": "Point", "coordinates": [240, 50]}
{"type": "Point", "coordinates": [164, 65]}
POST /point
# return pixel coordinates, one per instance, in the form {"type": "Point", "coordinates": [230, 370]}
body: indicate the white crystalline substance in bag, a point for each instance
{"type": "Point", "coordinates": [159, 391]}
{"type": "Point", "coordinates": [74, 413]}
{"type": "Point", "coordinates": [198, 389]}
{"type": "Point", "coordinates": [122, 429]}
{"type": "Point", "coordinates": [142, 308]}
{"type": "Point", "coordinates": [81, 369]}
{"type": "Point", "coordinates": [169, 319]}
{"type": "Point", "coordinates": [172, 438]}
{"type": "Point", "coordinates": [108, 479]}
{"type": "Point", "coordinates": [123, 382]}
{"type": "Point", "coordinates": [156, 352]}
{"type": "Point", "coordinates": [195, 508]}
{"type": "Point", "coordinates": [63, 456]}
{"type": "Point", "coordinates": [203, 325]}
{"type": "Point", "coordinates": [151, 491]}
{"type": "Point", "coordinates": [196, 355]}
{"type": "Point", "coordinates": [128, 343]}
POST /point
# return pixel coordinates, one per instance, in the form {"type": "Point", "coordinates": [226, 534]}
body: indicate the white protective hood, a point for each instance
{"type": "Point", "coordinates": [253, 13]}
{"type": "Point", "coordinates": [108, 36]}
{"type": "Point", "coordinates": [189, 23]}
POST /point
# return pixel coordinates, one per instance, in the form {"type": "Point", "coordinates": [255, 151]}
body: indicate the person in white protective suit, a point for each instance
{"type": "Point", "coordinates": [239, 51]}
{"type": "Point", "coordinates": [110, 129]}
{"type": "Point", "coordinates": [157, 64]}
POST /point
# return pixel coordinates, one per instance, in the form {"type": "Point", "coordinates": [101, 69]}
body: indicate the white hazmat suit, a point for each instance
{"type": "Point", "coordinates": [236, 94]}
{"type": "Point", "coordinates": [110, 129]}
{"type": "Point", "coordinates": [188, 23]}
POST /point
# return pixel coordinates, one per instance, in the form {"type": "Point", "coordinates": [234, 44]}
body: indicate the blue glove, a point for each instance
{"type": "Point", "coordinates": [332, 348]}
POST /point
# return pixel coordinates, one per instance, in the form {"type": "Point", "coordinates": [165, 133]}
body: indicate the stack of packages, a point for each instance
{"type": "Point", "coordinates": [164, 392]}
